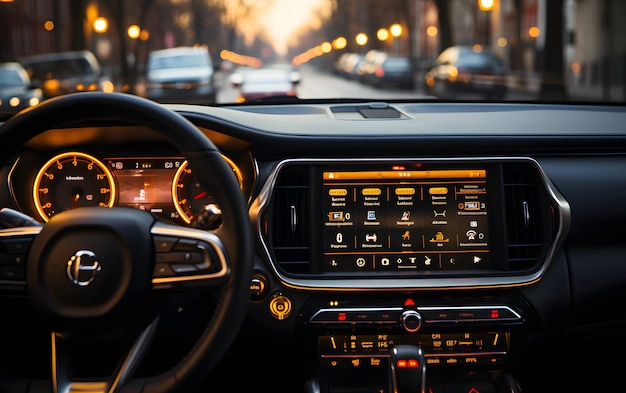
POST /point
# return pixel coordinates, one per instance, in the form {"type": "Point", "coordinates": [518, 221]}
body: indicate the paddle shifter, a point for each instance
{"type": "Point", "coordinates": [407, 369]}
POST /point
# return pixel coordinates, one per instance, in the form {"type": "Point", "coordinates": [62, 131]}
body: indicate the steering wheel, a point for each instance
{"type": "Point", "coordinates": [91, 271]}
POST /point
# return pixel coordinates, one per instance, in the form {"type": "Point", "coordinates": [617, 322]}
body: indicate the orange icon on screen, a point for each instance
{"type": "Point", "coordinates": [439, 238]}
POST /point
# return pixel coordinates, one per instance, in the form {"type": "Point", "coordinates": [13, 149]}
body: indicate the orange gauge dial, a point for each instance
{"type": "Point", "coordinates": [189, 196]}
{"type": "Point", "coordinates": [72, 180]}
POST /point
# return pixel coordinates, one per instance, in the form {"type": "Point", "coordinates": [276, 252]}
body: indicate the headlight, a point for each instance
{"type": "Point", "coordinates": [33, 101]}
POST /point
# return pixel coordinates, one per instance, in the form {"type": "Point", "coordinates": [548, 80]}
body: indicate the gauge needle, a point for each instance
{"type": "Point", "coordinates": [199, 195]}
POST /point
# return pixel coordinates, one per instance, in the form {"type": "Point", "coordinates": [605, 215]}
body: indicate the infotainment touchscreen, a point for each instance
{"type": "Point", "coordinates": [405, 220]}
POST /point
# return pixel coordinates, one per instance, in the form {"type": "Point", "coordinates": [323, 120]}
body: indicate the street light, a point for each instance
{"type": "Point", "coordinates": [133, 31]}
{"type": "Point", "coordinates": [340, 43]}
{"type": "Point", "coordinates": [382, 34]}
{"type": "Point", "coordinates": [361, 39]}
{"type": "Point", "coordinates": [100, 25]}
{"type": "Point", "coordinates": [485, 5]}
{"type": "Point", "coordinates": [396, 30]}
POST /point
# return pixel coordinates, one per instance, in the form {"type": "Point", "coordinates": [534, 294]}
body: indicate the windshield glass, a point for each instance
{"type": "Point", "coordinates": [498, 50]}
{"type": "Point", "coordinates": [10, 78]}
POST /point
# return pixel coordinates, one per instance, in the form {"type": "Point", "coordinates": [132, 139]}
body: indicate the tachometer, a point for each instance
{"type": "Point", "coordinates": [189, 196]}
{"type": "Point", "coordinates": [72, 180]}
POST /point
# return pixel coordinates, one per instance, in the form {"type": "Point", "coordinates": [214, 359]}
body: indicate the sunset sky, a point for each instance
{"type": "Point", "coordinates": [283, 18]}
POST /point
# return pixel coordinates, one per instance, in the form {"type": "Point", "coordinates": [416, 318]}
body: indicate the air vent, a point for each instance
{"type": "Point", "coordinates": [528, 217]}
{"type": "Point", "coordinates": [290, 221]}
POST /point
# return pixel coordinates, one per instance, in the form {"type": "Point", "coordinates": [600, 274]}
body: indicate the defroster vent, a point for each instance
{"type": "Point", "coordinates": [289, 220]}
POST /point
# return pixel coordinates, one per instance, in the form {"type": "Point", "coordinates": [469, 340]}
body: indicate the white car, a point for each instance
{"type": "Point", "coordinates": [182, 74]}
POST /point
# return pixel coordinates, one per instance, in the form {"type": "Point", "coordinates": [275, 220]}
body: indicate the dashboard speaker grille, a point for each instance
{"type": "Point", "coordinates": [527, 216]}
{"type": "Point", "coordinates": [290, 221]}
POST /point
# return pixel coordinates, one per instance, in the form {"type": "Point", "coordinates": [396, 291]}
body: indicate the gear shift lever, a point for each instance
{"type": "Point", "coordinates": [407, 369]}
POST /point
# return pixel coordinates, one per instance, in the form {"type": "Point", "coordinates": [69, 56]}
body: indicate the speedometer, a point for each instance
{"type": "Point", "coordinates": [190, 197]}
{"type": "Point", "coordinates": [72, 180]}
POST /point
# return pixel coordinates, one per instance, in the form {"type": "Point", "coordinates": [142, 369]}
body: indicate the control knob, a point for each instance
{"type": "Point", "coordinates": [411, 321]}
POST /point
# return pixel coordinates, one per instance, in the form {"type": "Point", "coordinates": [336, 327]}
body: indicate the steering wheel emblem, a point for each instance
{"type": "Point", "coordinates": [83, 267]}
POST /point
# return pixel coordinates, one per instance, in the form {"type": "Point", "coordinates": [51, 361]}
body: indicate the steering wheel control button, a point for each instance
{"type": "Point", "coordinates": [182, 268]}
{"type": "Point", "coordinates": [177, 257]}
{"type": "Point", "coordinates": [280, 306]}
{"type": "Point", "coordinates": [163, 270]}
{"type": "Point", "coordinates": [164, 243]}
{"type": "Point", "coordinates": [17, 245]}
{"type": "Point", "coordinates": [12, 273]}
{"type": "Point", "coordinates": [411, 321]}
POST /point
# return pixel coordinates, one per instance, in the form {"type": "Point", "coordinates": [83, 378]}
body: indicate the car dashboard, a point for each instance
{"type": "Point", "coordinates": [490, 235]}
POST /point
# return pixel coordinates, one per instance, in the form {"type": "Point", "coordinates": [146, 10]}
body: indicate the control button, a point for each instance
{"type": "Point", "coordinates": [387, 316]}
{"type": "Point", "coordinates": [280, 306]}
{"type": "Point", "coordinates": [258, 286]}
{"type": "Point", "coordinates": [411, 321]}
{"type": "Point", "coordinates": [482, 314]}
{"type": "Point", "coordinates": [164, 243]}
{"type": "Point", "coordinates": [17, 245]}
{"type": "Point", "coordinates": [180, 257]}
{"type": "Point", "coordinates": [360, 316]}
{"type": "Point", "coordinates": [163, 270]}
{"type": "Point", "coordinates": [182, 268]}
{"type": "Point", "coordinates": [185, 245]}
{"type": "Point", "coordinates": [12, 273]}
{"type": "Point", "coordinates": [12, 260]}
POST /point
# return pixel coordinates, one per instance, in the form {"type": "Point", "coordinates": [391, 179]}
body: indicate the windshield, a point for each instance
{"type": "Point", "coordinates": [497, 50]}
{"type": "Point", "coordinates": [10, 78]}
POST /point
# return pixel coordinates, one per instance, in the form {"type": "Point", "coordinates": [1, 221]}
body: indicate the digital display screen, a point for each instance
{"type": "Point", "coordinates": [146, 184]}
{"type": "Point", "coordinates": [405, 220]}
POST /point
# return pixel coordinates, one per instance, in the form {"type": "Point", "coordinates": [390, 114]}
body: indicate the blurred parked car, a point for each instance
{"type": "Point", "coordinates": [16, 89]}
{"type": "Point", "coordinates": [393, 71]}
{"type": "Point", "coordinates": [461, 71]}
{"type": "Point", "coordinates": [257, 83]}
{"type": "Point", "coordinates": [66, 72]}
{"type": "Point", "coordinates": [182, 74]}
{"type": "Point", "coordinates": [348, 65]}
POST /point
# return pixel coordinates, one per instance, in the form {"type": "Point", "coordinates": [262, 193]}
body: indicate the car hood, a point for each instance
{"type": "Point", "coordinates": [179, 74]}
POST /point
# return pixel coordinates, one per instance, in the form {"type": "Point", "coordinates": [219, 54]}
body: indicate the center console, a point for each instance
{"type": "Point", "coordinates": [378, 258]}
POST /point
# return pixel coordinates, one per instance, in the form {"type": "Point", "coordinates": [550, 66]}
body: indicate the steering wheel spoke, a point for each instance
{"type": "Point", "coordinates": [62, 364]}
{"type": "Point", "coordinates": [186, 256]}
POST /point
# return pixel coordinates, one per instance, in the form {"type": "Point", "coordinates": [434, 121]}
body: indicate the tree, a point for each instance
{"type": "Point", "coordinates": [445, 27]}
{"type": "Point", "coordinates": [78, 17]}
{"type": "Point", "coordinates": [553, 75]}
{"type": "Point", "coordinates": [119, 13]}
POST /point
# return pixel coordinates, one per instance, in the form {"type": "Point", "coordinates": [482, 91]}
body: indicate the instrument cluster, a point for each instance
{"type": "Point", "coordinates": [164, 185]}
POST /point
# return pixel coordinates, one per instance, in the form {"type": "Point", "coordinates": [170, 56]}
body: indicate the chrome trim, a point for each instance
{"type": "Point", "coordinates": [261, 203]}
{"type": "Point", "coordinates": [516, 315]}
{"type": "Point", "coordinates": [164, 229]}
